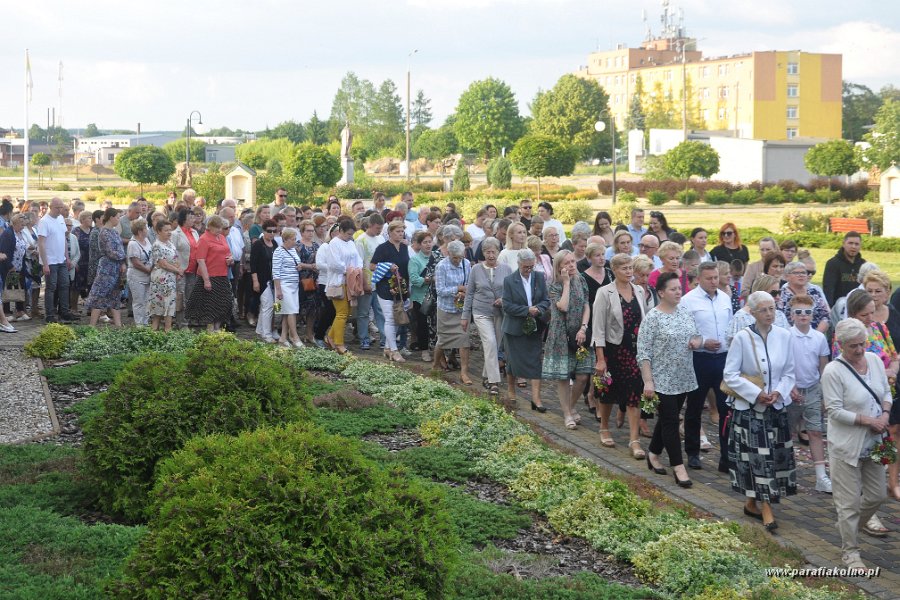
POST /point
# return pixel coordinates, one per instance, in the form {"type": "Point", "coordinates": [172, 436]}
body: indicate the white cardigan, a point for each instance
{"type": "Point", "coordinates": [777, 364]}
{"type": "Point", "coordinates": [845, 397]}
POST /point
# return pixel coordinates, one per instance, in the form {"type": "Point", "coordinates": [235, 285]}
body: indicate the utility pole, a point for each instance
{"type": "Point", "coordinates": [408, 102]}
{"type": "Point", "coordinates": [683, 91]}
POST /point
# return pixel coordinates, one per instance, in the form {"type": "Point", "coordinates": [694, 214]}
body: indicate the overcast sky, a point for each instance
{"type": "Point", "coordinates": [251, 64]}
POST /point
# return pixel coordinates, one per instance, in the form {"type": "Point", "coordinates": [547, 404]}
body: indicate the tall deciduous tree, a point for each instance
{"type": "Point", "coordinates": [317, 130]}
{"type": "Point", "coordinates": [538, 155]}
{"type": "Point", "coordinates": [144, 164]}
{"type": "Point", "coordinates": [435, 144]}
{"type": "Point", "coordinates": [487, 117]}
{"type": "Point", "coordinates": [352, 102]}
{"type": "Point", "coordinates": [691, 158]}
{"type": "Point", "coordinates": [421, 114]}
{"type": "Point", "coordinates": [859, 105]}
{"type": "Point", "coordinates": [884, 137]}
{"type": "Point", "coordinates": [176, 150]}
{"type": "Point", "coordinates": [569, 111]}
{"type": "Point", "coordinates": [314, 165]}
{"type": "Point", "coordinates": [91, 130]}
{"type": "Point", "coordinates": [660, 109]}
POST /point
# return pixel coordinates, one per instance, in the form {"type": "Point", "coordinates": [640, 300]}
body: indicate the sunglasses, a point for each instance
{"type": "Point", "coordinates": [282, 195]}
{"type": "Point", "coordinates": [271, 230]}
{"type": "Point", "coordinates": [802, 311]}
{"type": "Point", "coordinates": [801, 273]}
{"type": "Point", "coordinates": [727, 233]}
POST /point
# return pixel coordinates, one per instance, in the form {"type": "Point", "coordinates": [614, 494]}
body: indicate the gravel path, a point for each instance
{"type": "Point", "coordinates": [23, 409]}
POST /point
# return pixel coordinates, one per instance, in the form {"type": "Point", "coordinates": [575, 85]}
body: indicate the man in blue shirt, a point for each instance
{"type": "Point", "coordinates": [636, 227]}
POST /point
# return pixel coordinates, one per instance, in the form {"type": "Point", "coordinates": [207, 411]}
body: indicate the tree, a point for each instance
{"type": "Point", "coordinates": [884, 137]}
{"type": "Point", "coordinates": [145, 164]}
{"type": "Point", "coordinates": [351, 102]}
{"type": "Point", "coordinates": [461, 178]}
{"type": "Point", "coordinates": [39, 159]}
{"type": "Point", "coordinates": [420, 113]}
{"type": "Point", "coordinates": [487, 117]}
{"type": "Point", "coordinates": [386, 119]}
{"type": "Point", "coordinates": [538, 155]}
{"type": "Point", "coordinates": [501, 174]}
{"type": "Point", "coordinates": [210, 185]}
{"type": "Point", "coordinates": [569, 111]}
{"type": "Point", "coordinates": [436, 144]}
{"type": "Point", "coordinates": [317, 130]}
{"type": "Point", "coordinates": [636, 117]}
{"type": "Point", "coordinates": [91, 130]}
{"type": "Point", "coordinates": [314, 165]}
{"type": "Point", "coordinates": [832, 158]}
{"type": "Point", "coordinates": [288, 129]}
{"type": "Point", "coordinates": [660, 109]}
{"type": "Point", "coordinates": [176, 150]}
{"type": "Point", "coordinates": [257, 154]}
{"type": "Point", "coordinates": [858, 107]}
{"type": "Point", "coordinates": [222, 132]}
{"type": "Point", "coordinates": [691, 158]}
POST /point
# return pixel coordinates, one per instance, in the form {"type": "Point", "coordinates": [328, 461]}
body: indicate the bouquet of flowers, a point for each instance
{"type": "Point", "coordinates": [885, 453]}
{"type": "Point", "coordinates": [277, 306]}
{"type": "Point", "coordinates": [649, 404]}
{"type": "Point", "coordinates": [581, 353]}
{"type": "Point", "coordinates": [892, 381]}
{"type": "Point", "coordinates": [529, 326]}
{"type": "Point", "coordinates": [602, 383]}
{"type": "Point", "coordinates": [398, 286]}
{"type": "Point", "coordinates": [459, 301]}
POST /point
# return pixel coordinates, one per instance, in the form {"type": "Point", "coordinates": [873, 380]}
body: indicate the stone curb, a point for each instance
{"type": "Point", "coordinates": [48, 400]}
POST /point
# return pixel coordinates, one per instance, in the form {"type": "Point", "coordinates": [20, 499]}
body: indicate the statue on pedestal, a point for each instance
{"type": "Point", "coordinates": [346, 140]}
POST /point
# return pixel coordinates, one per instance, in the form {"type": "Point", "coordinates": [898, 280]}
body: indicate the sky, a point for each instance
{"type": "Point", "coordinates": [252, 64]}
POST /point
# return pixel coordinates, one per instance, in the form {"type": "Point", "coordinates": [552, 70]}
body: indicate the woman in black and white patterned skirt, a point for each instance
{"type": "Point", "coordinates": [761, 453]}
{"type": "Point", "coordinates": [211, 304]}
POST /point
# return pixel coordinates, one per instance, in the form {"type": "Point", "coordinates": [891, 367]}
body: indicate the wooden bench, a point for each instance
{"type": "Point", "coordinates": [843, 225]}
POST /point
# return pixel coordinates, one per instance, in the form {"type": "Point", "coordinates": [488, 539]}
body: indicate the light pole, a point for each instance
{"type": "Point", "coordinates": [600, 126]}
{"type": "Point", "coordinates": [408, 67]}
{"type": "Point", "coordinates": [187, 148]}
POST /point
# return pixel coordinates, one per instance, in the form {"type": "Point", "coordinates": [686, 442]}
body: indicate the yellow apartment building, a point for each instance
{"type": "Point", "coordinates": [774, 95]}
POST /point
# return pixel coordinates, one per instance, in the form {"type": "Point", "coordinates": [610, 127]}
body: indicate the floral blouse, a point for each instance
{"type": "Point", "coordinates": [663, 341]}
{"type": "Point", "coordinates": [879, 343]}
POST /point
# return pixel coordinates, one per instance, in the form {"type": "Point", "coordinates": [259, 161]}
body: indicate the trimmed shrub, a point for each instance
{"type": "Point", "coordinates": [826, 195]}
{"type": "Point", "coordinates": [50, 342]}
{"type": "Point", "coordinates": [501, 174]}
{"type": "Point", "coordinates": [289, 512]}
{"type": "Point", "coordinates": [716, 197]}
{"type": "Point", "coordinates": [744, 196]}
{"type": "Point", "coordinates": [159, 402]}
{"type": "Point", "coordinates": [656, 197]}
{"type": "Point", "coordinates": [104, 371]}
{"type": "Point", "coordinates": [623, 197]}
{"type": "Point", "coordinates": [773, 194]}
{"type": "Point", "coordinates": [461, 178]}
{"type": "Point", "coordinates": [94, 344]}
{"type": "Point", "coordinates": [687, 197]}
{"type": "Point", "coordinates": [801, 196]}
{"type": "Point", "coordinates": [572, 212]}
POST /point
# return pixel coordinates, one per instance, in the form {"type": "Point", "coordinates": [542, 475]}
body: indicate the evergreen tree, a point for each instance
{"type": "Point", "coordinates": [317, 130]}
{"type": "Point", "coordinates": [421, 109]}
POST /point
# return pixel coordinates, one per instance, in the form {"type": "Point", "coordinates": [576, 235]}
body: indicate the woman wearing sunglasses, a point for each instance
{"type": "Point", "coordinates": [730, 247]}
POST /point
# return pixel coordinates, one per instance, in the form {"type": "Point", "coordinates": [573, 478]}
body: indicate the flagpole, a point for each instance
{"type": "Point", "coordinates": [28, 84]}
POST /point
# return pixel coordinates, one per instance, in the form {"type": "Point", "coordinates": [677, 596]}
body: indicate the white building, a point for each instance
{"type": "Point", "coordinates": [104, 148]}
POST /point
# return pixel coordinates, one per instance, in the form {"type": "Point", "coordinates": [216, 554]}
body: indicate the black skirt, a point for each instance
{"type": "Point", "coordinates": [210, 306]}
{"type": "Point", "coordinates": [761, 455]}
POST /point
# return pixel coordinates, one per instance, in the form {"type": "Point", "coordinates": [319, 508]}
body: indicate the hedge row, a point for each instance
{"type": "Point", "coordinates": [852, 192]}
{"type": "Point", "coordinates": [683, 556]}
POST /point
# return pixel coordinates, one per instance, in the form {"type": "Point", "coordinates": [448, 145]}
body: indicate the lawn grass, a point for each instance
{"type": "Point", "coordinates": [95, 372]}
{"type": "Point", "coordinates": [356, 423]}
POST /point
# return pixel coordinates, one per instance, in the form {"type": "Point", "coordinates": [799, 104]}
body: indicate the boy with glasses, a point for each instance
{"type": "Point", "coordinates": [811, 353]}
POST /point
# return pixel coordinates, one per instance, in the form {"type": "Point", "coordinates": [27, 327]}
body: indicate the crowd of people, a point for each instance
{"type": "Point", "coordinates": [642, 319]}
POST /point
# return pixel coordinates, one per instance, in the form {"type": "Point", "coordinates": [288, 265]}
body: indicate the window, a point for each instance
{"type": "Point", "coordinates": [722, 114]}
{"type": "Point", "coordinates": [791, 133]}
{"type": "Point", "coordinates": [791, 112]}
{"type": "Point", "coordinates": [704, 72]}
{"type": "Point", "coordinates": [669, 75]}
{"type": "Point", "coordinates": [723, 91]}
{"type": "Point", "coordinates": [704, 92]}
{"type": "Point", "coordinates": [633, 78]}
{"type": "Point", "coordinates": [723, 70]}
{"type": "Point", "coordinates": [111, 157]}
{"type": "Point", "coordinates": [608, 63]}
{"type": "Point", "coordinates": [793, 68]}
{"type": "Point", "coordinates": [706, 114]}
{"type": "Point", "coordinates": [793, 90]}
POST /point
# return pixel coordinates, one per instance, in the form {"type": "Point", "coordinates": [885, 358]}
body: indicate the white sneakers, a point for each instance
{"type": "Point", "coordinates": [7, 328]}
{"type": "Point", "coordinates": [24, 317]}
{"type": "Point", "coordinates": [823, 484]}
{"type": "Point", "coordinates": [853, 561]}
{"type": "Point", "coordinates": [704, 443]}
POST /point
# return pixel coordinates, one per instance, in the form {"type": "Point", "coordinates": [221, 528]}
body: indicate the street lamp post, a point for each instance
{"type": "Point", "coordinates": [600, 126]}
{"type": "Point", "coordinates": [187, 149]}
{"type": "Point", "coordinates": [408, 68]}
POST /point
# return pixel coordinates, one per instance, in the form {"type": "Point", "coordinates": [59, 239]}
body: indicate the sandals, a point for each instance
{"type": "Point", "coordinates": [875, 528]}
{"type": "Point", "coordinates": [494, 390]}
{"type": "Point", "coordinates": [637, 453]}
{"type": "Point", "coordinates": [606, 442]}
{"type": "Point", "coordinates": [522, 382]}
{"type": "Point", "coordinates": [570, 424]}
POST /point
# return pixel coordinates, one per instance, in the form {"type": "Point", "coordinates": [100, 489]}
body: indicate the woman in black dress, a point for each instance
{"type": "Point", "coordinates": [596, 276]}
{"type": "Point", "coordinates": [730, 247]}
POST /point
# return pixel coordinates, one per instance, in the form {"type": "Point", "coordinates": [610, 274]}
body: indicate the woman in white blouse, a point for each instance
{"type": "Point", "coordinates": [343, 256]}
{"type": "Point", "coordinates": [761, 453]}
{"type": "Point", "coordinates": [858, 401]}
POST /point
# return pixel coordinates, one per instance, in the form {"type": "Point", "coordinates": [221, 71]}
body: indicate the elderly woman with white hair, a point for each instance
{"type": "Point", "coordinates": [484, 297]}
{"type": "Point", "coordinates": [798, 283]}
{"type": "Point", "coordinates": [286, 280]}
{"type": "Point", "coordinates": [451, 279]}
{"type": "Point", "coordinates": [759, 370]}
{"type": "Point", "coordinates": [445, 234]}
{"type": "Point", "coordinates": [858, 401]}
{"type": "Point", "coordinates": [525, 303]}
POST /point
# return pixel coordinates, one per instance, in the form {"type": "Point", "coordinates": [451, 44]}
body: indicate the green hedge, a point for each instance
{"type": "Point", "coordinates": [289, 512]}
{"type": "Point", "coordinates": [158, 402]}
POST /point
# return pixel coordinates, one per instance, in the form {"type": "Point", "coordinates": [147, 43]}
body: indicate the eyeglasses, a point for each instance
{"type": "Point", "coordinates": [802, 311]}
{"type": "Point", "coordinates": [727, 233]}
{"type": "Point", "coordinates": [271, 230]}
{"type": "Point", "coordinates": [282, 195]}
{"type": "Point", "coordinates": [800, 273]}
{"type": "Point", "coordinates": [526, 207]}
{"type": "Point", "coordinates": [647, 246]}
{"type": "Point", "coordinates": [811, 273]}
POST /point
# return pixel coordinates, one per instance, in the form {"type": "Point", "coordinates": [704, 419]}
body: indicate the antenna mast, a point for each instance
{"type": "Point", "coordinates": [60, 123]}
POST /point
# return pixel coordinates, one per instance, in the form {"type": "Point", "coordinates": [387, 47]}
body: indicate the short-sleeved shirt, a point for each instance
{"type": "Point", "coordinates": [142, 253]}
{"type": "Point", "coordinates": [386, 252]}
{"type": "Point", "coordinates": [807, 349]}
{"type": "Point", "coordinates": [53, 230]}
{"type": "Point", "coordinates": [214, 250]}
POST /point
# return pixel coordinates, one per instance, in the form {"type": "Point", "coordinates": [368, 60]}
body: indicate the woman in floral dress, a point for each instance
{"type": "Point", "coordinates": [309, 301]}
{"type": "Point", "coordinates": [569, 315]}
{"type": "Point", "coordinates": [164, 277]}
{"type": "Point", "coordinates": [618, 311]}
{"type": "Point", "coordinates": [106, 290]}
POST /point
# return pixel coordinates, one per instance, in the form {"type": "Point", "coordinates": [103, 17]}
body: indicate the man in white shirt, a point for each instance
{"type": "Point", "coordinates": [712, 313]}
{"type": "Point", "coordinates": [52, 248]}
{"type": "Point", "coordinates": [476, 229]}
{"type": "Point", "coordinates": [810, 350]}
{"type": "Point", "coordinates": [367, 304]}
{"type": "Point", "coordinates": [545, 211]}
